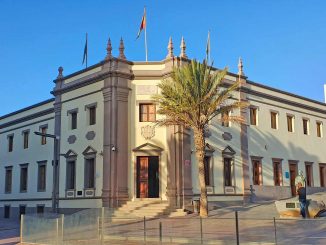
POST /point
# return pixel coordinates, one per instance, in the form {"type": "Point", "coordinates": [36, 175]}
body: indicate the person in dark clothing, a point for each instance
{"type": "Point", "coordinates": [301, 191]}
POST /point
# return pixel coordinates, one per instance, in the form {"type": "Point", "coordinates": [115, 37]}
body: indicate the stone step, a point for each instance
{"type": "Point", "coordinates": [152, 207]}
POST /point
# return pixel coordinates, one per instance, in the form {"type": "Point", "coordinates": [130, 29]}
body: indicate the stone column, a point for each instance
{"type": "Point", "coordinates": [244, 136]}
{"type": "Point", "coordinates": [171, 191]}
{"type": "Point", "coordinates": [106, 189]}
{"type": "Point", "coordinates": [115, 141]}
{"type": "Point", "coordinates": [57, 132]}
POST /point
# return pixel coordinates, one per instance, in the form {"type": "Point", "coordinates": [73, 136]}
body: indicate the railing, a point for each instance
{"type": "Point", "coordinates": [99, 226]}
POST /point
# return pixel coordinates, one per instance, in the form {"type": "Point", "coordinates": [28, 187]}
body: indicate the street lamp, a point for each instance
{"type": "Point", "coordinates": [55, 189]}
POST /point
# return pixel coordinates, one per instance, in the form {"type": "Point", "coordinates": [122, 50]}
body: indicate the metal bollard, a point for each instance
{"type": "Point", "coordinates": [62, 227]}
{"type": "Point", "coordinates": [160, 227]}
{"type": "Point", "coordinates": [102, 226]}
{"type": "Point", "coordinates": [237, 227]}
{"type": "Point", "coordinates": [275, 230]}
{"type": "Point", "coordinates": [201, 230]}
{"type": "Point", "coordinates": [144, 228]}
{"type": "Point", "coordinates": [21, 227]}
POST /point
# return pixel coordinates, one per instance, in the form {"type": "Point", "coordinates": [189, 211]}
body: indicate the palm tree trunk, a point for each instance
{"type": "Point", "coordinates": [200, 154]}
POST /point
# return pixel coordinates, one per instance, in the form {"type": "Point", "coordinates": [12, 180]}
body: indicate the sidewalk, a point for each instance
{"type": "Point", "coordinates": [9, 231]}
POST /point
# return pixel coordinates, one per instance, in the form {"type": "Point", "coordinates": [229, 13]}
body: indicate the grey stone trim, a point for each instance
{"type": "Point", "coordinates": [286, 93]}
{"type": "Point", "coordinates": [91, 105]}
{"type": "Point", "coordinates": [9, 130]}
{"type": "Point", "coordinates": [288, 102]}
{"type": "Point", "coordinates": [27, 108]}
{"type": "Point", "coordinates": [23, 165]}
{"type": "Point", "coordinates": [43, 126]}
{"type": "Point", "coordinates": [79, 72]}
{"type": "Point", "coordinates": [84, 82]}
{"type": "Point", "coordinates": [290, 109]}
{"type": "Point", "coordinates": [46, 199]}
{"type": "Point", "coordinates": [26, 131]}
{"type": "Point", "coordinates": [8, 167]}
{"type": "Point", "coordinates": [71, 139]}
{"type": "Point", "coordinates": [90, 151]}
{"type": "Point", "coordinates": [42, 162]}
{"type": "Point", "coordinates": [219, 195]}
{"type": "Point", "coordinates": [75, 110]}
{"type": "Point", "coordinates": [90, 135]}
{"type": "Point", "coordinates": [10, 135]}
{"type": "Point", "coordinates": [71, 155]}
{"type": "Point", "coordinates": [257, 158]}
{"type": "Point", "coordinates": [81, 96]}
{"type": "Point", "coordinates": [27, 118]}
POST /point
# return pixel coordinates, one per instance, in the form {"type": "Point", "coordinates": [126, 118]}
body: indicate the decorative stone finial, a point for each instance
{"type": "Point", "coordinates": [121, 50]}
{"type": "Point", "coordinates": [240, 67]}
{"type": "Point", "coordinates": [108, 50]}
{"type": "Point", "coordinates": [183, 49]}
{"type": "Point", "coordinates": [170, 49]}
{"type": "Point", "coordinates": [60, 70]}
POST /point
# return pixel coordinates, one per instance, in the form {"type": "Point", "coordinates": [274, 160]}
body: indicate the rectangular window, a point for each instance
{"type": "Point", "coordinates": [319, 129]}
{"type": "Point", "coordinates": [322, 175]}
{"type": "Point", "coordinates": [25, 136]}
{"type": "Point", "coordinates": [147, 113]}
{"type": "Point", "coordinates": [10, 143]}
{"type": "Point", "coordinates": [309, 174]}
{"type": "Point", "coordinates": [73, 116]}
{"type": "Point", "coordinates": [71, 175]}
{"type": "Point", "coordinates": [23, 178]}
{"type": "Point", "coordinates": [40, 210]}
{"type": "Point", "coordinates": [207, 168]}
{"type": "Point", "coordinates": [43, 138]}
{"type": "Point", "coordinates": [277, 167]}
{"type": "Point", "coordinates": [8, 180]}
{"type": "Point", "coordinates": [41, 178]}
{"type": "Point", "coordinates": [225, 118]}
{"type": "Point", "coordinates": [253, 116]}
{"type": "Point", "coordinates": [290, 120]}
{"type": "Point", "coordinates": [90, 173]}
{"type": "Point", "coordinates": [7, 212]}
{"type": "Point", "coordinates": [92, 115]}
{"type": "Point", "coordinates": [273, 120]}
{"type": "Point", "coordinates": [227, 172]}
{"type": "Point", "coordinates": [257, 172]}
{"type": "Point", "coordinates": [305, 126]}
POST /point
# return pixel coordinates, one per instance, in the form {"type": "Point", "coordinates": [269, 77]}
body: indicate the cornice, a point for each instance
{"type": "Point", "coordinates": [285, 101]}
{"type": "Point", "coordinates": [27, 118]}
{"type": "Point", "coordinates": [286, 93]}
{"type": "Point", "coordinates": [27, 108]}
{"type": "Point", "coordinates": [93, 79]}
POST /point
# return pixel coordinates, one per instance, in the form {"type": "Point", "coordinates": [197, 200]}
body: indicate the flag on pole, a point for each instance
{"type": "Point", "coordinates": [208, 46]}
{"type": "Point", "coordinates": [142, 24]}
{"type": "Point", "coordinates": [85, 53]}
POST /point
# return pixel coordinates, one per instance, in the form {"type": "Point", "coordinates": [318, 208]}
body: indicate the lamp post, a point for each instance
{"type": "Point", "coordinates": [55, 189]}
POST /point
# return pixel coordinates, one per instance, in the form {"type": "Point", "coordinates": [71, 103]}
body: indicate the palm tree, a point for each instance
{"type": "Point", "coordinates": [192, 97]}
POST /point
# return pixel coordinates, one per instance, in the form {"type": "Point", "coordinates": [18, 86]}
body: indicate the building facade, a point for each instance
{"type": "Point", "coordinates": [111, 151]}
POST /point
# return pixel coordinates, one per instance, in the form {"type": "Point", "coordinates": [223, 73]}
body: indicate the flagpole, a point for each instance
{"type": "Point", "coordinates": [86, 50]}
{"type": "Point", "coordinates": [145, 34]}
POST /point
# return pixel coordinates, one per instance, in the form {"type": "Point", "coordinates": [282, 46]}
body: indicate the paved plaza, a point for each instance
{"type": "Point", "coordinates": [256, 226]}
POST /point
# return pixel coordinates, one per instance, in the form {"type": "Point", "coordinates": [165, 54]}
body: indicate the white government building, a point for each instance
{"type": "Point", "coordinates": [110, 150]}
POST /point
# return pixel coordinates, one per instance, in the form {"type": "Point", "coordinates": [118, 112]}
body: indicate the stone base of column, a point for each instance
{"type": "Point", "coordinates": [120, 198]}
{"type": "Point", "coordinates": [172, 197]}
{"type": "Point", "coordinates": [106, 198]}
{"type": "Point", "coordinates": [247, 197]}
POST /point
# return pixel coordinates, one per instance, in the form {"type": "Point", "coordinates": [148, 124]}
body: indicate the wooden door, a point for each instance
{"type": "Point", "coordinates": [293, 174]}
{"type": "Point", "coordinates": [322, 175]}
{"type": "Point", "coordinates": [142, 177]}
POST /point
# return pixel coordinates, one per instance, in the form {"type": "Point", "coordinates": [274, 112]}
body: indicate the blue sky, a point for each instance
{"type": "Point", "coordinates": [282, 43]}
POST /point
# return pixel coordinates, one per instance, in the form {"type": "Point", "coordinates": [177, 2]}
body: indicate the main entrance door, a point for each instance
{"type": "Point", "coordinates": [293, 174]}
{"type": "Point", "coordinates": [147, 177]}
